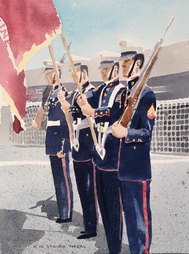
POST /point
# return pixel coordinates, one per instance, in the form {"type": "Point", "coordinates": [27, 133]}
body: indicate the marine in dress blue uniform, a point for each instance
{"type": "Point", "coordinates": [58, 148]}
{"type": "Point", "coordinates": [82, 153]}
{"type": "Point", "coordinates": [135, 169]}
{"type": "Point", "coordinates": [105, 99]}
{"type": "Point", "coordinates": [135, 174]}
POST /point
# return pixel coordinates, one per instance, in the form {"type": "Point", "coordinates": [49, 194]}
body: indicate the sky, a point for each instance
{"type": "Point", "coordinates": [92, 26]}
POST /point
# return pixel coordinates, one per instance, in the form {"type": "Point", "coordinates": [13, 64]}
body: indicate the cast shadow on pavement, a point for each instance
{"type": "Point", "coordinates": [13, 238]}
{"type": "Point", "coordinates": [50, 208]}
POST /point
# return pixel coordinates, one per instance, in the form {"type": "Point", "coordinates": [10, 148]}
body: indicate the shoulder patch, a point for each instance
{"type": "Point", "coordinates": [151, 112]}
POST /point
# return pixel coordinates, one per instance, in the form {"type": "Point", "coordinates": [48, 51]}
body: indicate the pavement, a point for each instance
{"type": "Point", "coordinates": [28, 207]}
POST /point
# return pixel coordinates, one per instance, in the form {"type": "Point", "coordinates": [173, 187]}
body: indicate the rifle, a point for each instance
{"type": "Point", "coordinates": [59, 87]}
{"type": "Point", "coordinates": [64, 56]}
{"type": "Point", "coordinates": [137, 90]}
{"type": "Point", "coordinates": [101, 151]}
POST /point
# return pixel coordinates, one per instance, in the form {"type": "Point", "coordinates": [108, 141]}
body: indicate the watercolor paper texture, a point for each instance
{"type": "Point", "coordinates": [27, 202]}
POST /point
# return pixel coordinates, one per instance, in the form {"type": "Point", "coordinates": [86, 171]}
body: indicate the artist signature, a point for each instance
{"type": "Point", "coordinates": [60, 246]}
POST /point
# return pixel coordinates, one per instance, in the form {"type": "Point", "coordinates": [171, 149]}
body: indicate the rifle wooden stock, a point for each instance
{"type": "Point", "coordinates": [78, 85]}
{"type": "Point", "coordinates": [39, 117]}
{"type": "Point", "coordinates": [127, 114]}
{"type": "Point", "coordinates": [134, 99]}
{"type": "Point", "coordinates": [137, 90]}
{"type": "Point", "coordinates": [54, 65]}
{"type": "Point", "coordinates": [71, 62]}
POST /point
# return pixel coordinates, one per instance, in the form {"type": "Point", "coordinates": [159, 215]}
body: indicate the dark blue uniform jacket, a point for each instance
{"type": "Point", "coordinates": [134, 161]}
{"type": "Point", "coordinates": [57, 137]}
{"type": "Point", "coordinates": [104, 114]}
{"type": "Point", "coordinates": [86, 144]}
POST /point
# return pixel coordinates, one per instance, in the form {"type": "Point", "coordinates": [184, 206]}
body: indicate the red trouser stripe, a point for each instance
{"type": "Point", "coordinates": [121, 209]}
{"type": "Point", "coordinates": [145, 211]}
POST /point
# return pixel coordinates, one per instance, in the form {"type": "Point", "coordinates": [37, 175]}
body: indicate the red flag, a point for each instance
{"type": "Point", "coordinates": [25, 28]}
{"type": "Point", "coordinates": [14, 92]}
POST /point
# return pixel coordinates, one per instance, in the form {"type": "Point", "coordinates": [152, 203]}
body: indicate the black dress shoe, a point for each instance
{"type": "Point", "coordinates": [86, 236]}
{"type": "Point", "coordinates": [59, 220]}
{"type": "Point", "coordinates": [82, 232]}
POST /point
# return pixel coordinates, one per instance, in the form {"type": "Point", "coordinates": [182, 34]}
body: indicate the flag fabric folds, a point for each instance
{"type": "Point", "coordinates": [25, 28]}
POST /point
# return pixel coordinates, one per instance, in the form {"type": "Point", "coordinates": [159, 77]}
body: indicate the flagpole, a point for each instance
{"type": "Point", "coordinates": [78, 85]}
{"type": "Point", "coordinates": [58, 80]}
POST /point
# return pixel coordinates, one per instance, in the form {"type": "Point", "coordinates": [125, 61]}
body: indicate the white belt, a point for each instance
{"type": "Point", "coordinates": [81, 124]}
{"type": "Point", "coordinates": [105, 129]}
{"type": "Point", "coordinates": [102, 135]}
{"type": "Point", "coordinates": [53, 123]}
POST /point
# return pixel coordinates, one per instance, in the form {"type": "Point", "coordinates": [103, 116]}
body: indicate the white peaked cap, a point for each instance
{"type": "Point", "coordinates": [127, 45]}
{"type": "Point", "coordinates": [80, 60]}
{"type": "Point", "coordinates": [108, 55]}
{"type": "Point", "coordinates": [107, 58]}
{"type": "Point", "coordinates": [49, 64]}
